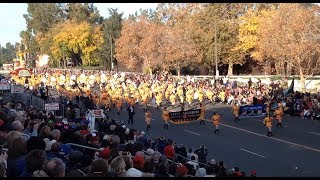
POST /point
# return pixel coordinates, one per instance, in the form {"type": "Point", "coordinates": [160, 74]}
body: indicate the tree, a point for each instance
{"type": "Point", "coordinates": [215, 29]}
{"type": "Point", "coordinates": [180, 47]}
{"type": "Point", "coordinates": [111, 32]}
{"type": "Point", "coordinates": [42, 16]}
{"type": "Point", "coordinates": [80, 12]}
{"type": "Point", "coordinates": [128, 43]}
{"type": "Point", "coordinates": [73, 38]}
{"type": "Point", "coordinates": [291, 35]}
{"type": "Point", "coordinates": [7, 53]}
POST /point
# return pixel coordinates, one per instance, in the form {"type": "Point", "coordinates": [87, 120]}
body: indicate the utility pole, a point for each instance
{"type": "Point", "coordinates": [215, 47]}
{"type": "Point", "coordinates": [111, 62]}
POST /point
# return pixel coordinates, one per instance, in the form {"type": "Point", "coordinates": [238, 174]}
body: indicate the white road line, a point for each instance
{"type": "Point", "coordinates": [192, 132]}
{"type": "Point", "coordinates": [276, 139]}
{"type": "Point", "coordinates": [253, 153]}
{"type": "Point", "coordinates": [252, 119]}
{"type": "Point", "coordinates": [314, 133]}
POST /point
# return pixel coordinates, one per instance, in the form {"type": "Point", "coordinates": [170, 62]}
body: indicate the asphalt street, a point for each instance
{"type": "Point", "coordinates": [294, 150]}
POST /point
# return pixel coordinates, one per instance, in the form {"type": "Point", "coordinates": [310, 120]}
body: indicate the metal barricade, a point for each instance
{"type": "Point", "coordinates": [60, 112]}
{"type": "Point", "coordinates": [37, 102]}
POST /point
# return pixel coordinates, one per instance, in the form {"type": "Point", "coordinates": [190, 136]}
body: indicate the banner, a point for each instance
{"type": "Point", "coordinates": [51, 107]}
{"type": "Point", "coordinates": [98, 113]}
{"type": "Point", "coordinates": [180, 117]}
{"type": "Point", "coordinates": [17, 89]}
{"type": "Point", "coordinates": [4, 86]}
{"type": "Point", "coordinates": [252, 111]}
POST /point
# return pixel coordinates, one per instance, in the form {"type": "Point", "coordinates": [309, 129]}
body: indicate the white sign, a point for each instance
{"type": "Point", "coordinates": [97, 113]}
{"type": "Point", "coordinates": [51, 107]}
{"type": "Point", "coordinates": [17, 89]}
{"type": "Point", "coordinates": [4, 86]}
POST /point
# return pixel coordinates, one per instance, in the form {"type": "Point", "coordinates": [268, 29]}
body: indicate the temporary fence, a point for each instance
{"type": "Point", "coordinates": [37, 102]}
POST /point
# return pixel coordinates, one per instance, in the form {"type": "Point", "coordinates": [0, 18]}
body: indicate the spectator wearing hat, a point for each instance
{"type": "Point", "coordinates": [169, 151]}
{"type": "Point", "coordinates": [118, 167]}
{"type": "Point", "coordinates": [181, 170]}
{"type": "Point", "coordinates": [16, 157]}
{"type": "Point", "coordinates": [99, 168]}
{"type": "Point", "coordinates": [138, 162]}
{"type": "Point", "coordinates": [35, 160]}
{"type": "Point", "coordinates": [64, 152]}
{"type": "Point", "coordinates": [105, 153]}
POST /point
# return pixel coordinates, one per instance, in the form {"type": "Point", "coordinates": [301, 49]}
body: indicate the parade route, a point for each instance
{"type": "Point", "coordinates": [291, 152]}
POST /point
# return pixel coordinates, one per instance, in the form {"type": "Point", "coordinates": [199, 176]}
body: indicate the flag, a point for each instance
{"type": "Point", "coordinates": [290, 89]}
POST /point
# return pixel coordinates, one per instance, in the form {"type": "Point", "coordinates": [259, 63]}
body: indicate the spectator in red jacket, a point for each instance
{"type": "Point", "coordinates": [169, 151]}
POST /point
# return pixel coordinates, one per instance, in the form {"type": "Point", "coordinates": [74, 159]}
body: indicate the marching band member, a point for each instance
{"type": "Point", "coordinates": [235, 109]}
{"type": "Point", "coordinates": [216, 121]}
{"type": "Point", "coordinates": [202, 114]}
{"type": "Point", "coordinates": [165, 117]}
{"type": "Point", "coordinates": [62, 79]}
{"type": "Point", "coordinates": [148, 116]}
{"type": "Point", "coordinates": [278, 113]}
{"type": "Point", "coordinates": [118, 105]}
{"type": "Point", "coordinates": [172, 99]}
{"type": "Point", "coordinates": [268, 123]}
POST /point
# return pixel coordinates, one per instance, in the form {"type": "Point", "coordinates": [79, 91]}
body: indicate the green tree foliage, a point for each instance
{"type": "Point", "coordinates": [80, 12]}
{"type": "Point", "coordinates": [7, 53]}
{"type": "Point", "coordinates": [111, 32]}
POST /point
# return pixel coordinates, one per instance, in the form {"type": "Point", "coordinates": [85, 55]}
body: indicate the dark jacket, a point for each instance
{"type": "Point", "coordinates": [15, 166]}
{"type": "Point", "coordinates": [130, 113]}
{"type": "Point", "coordinates": [26, 174]}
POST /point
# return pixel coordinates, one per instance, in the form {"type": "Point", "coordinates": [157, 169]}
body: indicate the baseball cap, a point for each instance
{"type": "Point", "coordinates": [65, 149]}
{"type": "Point", "coordinates": [138, 161]}
{"type": "Point", "coordinates": [105, 153]}
{"type": "Point", "coordinates": [181, 169]}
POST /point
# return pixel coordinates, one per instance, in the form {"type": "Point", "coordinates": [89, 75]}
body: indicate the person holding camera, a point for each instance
{"type": "Point", "coordinates": [202, 153]}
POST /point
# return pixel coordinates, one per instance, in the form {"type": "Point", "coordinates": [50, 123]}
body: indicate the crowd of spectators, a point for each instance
{"type": "Point", "coordinates": [38, 145]}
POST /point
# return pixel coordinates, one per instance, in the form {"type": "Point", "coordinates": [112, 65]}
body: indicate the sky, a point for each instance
{"type": "Point", "coordinates": [12, 21]}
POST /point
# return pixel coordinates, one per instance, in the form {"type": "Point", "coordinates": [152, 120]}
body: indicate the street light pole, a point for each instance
{"type": "Point", "coordinates": [215, 47]}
